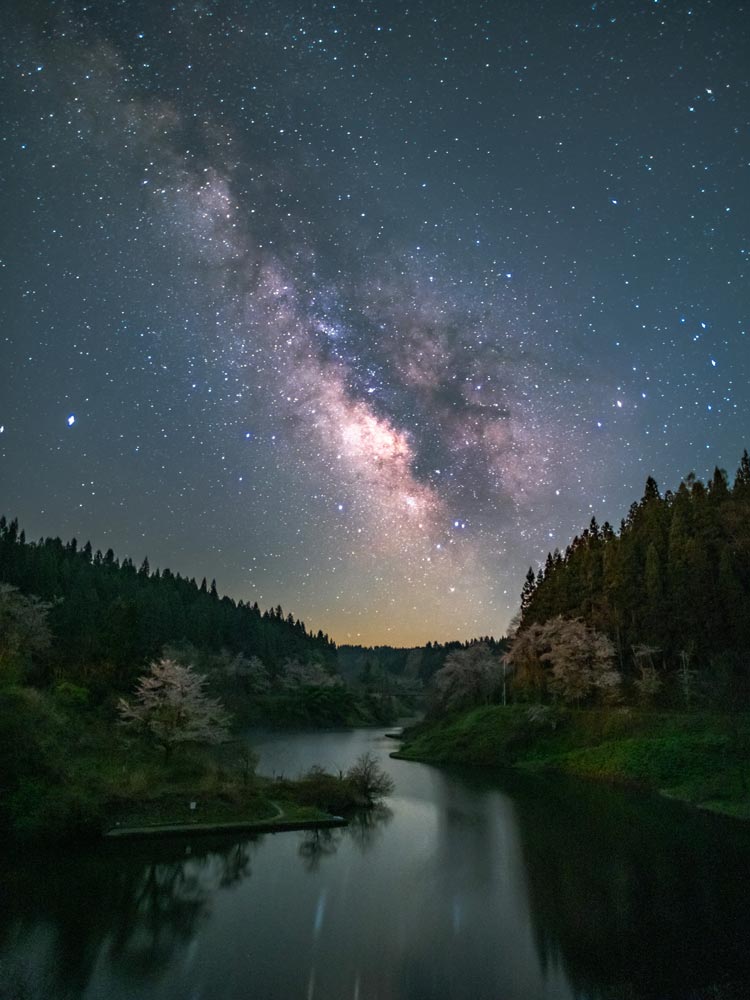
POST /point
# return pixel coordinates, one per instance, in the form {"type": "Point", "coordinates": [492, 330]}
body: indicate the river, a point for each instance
{"type": "Point", "coordinates": [465, 884]}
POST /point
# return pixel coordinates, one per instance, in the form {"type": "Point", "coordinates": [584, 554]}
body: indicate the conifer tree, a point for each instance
{"type": "Point", "coordinates": [676, 576]}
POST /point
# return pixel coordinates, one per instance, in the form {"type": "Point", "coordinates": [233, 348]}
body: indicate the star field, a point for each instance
{"type": "Point", "coordinates": [362, 308]}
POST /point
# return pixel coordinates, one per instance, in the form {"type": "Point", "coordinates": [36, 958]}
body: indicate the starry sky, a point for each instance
{"type": "Point", "coordinates": [363, 307]}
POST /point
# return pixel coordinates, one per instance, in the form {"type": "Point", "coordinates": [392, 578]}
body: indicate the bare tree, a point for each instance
{"type": "Point", "coordinates": [369, 778]}
{"type": "Point", "coordinates": [171, 706]}
{"type": "Point", "coordinates": [649, 684]}
{"type": "Point", "coordinates": [687, 675]}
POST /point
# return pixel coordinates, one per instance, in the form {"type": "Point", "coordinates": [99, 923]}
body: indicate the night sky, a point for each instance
{"type": "Point", "coordinates": [361, 308]}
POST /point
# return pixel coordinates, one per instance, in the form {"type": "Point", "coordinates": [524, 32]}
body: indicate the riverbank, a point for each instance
{"type": "Point", "coordinates": [234, 801]}
{"type": "Point", "coordinates": [697, 758]}
{"type": "Point", "coordinates": [70, 773]}
{"type": "Point", "coordinates": [282, 824]}
{"type": "Point", "coordinates": [231, 807]}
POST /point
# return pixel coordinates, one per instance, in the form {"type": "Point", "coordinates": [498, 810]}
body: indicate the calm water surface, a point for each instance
{"type": "Point", "coordinates": [464, 885]}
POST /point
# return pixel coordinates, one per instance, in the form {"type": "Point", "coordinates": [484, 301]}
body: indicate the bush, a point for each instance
{"type": "Point", "coordinates": [329, 792]}
{"type": "Point", "coordinates": [545, 717]}
{"type": "Point", "coordinates": [71, 695]}
{"type": "Point", "coordinates": [369, 779]}
{"type": "Point", "coordinates": [45, 812]}
{"type": "Point", "coordinates": [30, 732]}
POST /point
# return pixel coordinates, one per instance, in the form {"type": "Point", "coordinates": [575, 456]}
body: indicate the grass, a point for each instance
{"type": "Point", "coordinates": [220, 797]}
{"type": "Point", "coordinates": [702, 759]}
{"type": "Point", "coordinates": [89, 778]}
{"type": "Point", "coordinates": [175, 811]}
{"type": "Point", "coordinates": [174, 808]}
{"type": "Point", "coordinates": [215, 795]}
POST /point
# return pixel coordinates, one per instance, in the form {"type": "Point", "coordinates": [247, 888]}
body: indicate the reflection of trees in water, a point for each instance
{"type": "Point", "coordinates": [471, 814]}
{"type": "Point", "coordinates": [638, 897]}
{"type": "Point", "coordinates": [170, 900]}
{"type": "Point", "coordinates": [468, 915]}
{"type": "Point", "coordinates": [139, 902]}
{"type": "Point", "coordinates": [365, 826]}
{"type": "Point", "coordinates": [634, 898]}
{"type": "Point", "coordinates": [21, 981]}
{"type": "Point", "coordinates": [162, 912]}
{"type": "Point", "coordinates": [318, 844]}
{"type": "Point", "coordinates": [136, 902]}
{"type": "Point", "coordinates": [235, 864]}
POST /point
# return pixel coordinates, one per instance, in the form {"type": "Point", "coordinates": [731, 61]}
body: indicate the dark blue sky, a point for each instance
{"type": "Point", "coordinates": [361, 308]}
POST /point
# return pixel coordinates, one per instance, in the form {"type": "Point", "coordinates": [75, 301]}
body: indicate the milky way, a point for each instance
{"type": "Point", "coordinates": [362, 308]}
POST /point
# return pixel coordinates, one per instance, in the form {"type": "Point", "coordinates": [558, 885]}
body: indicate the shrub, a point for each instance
{"type": "Point", "coordinates": [369, 779]}
{"type": "Point", "coordinates": [326, 791]}
{"type": "Point", "coordinates": [45, 812]}
{"type": "Point", "coordinates": [71, 695]}
{"type": "Point", "coordinates": [547, 717]}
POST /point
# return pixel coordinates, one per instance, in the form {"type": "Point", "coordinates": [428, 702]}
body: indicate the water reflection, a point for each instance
{"type": "Point", "coordinates": [134, 906]}
{"type": "Point", "coordinates": [465, 885]}
{"type": "Point", "coordinates": [159, 915]}
{"type": "Point", "coordinates": [316, 845]}
{"type": "Point", "coordinates": [638, 899]}
{"type": "Point", "coordinates": [630, 897]}
{"type": "Point", "coordinates": [363, 830]}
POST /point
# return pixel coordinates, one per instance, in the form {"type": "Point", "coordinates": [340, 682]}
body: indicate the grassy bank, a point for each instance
{"type": "Point", "coordinates": [68, 771]}
{"type": "Point", "coordinates": [141, 789]}
{"type": "Point", "coordinates": [698, 758]}
{"type": "Point", "coordinates": [200, 805]}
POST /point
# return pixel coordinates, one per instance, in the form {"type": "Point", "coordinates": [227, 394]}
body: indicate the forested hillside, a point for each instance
{"type": "Point", "coordinates": [124, 692]}
{"type": "Point", "coordinates": [109, 618]}
{"type": "Point", "coordinates": [672, 586]}
{"type": "Point", "coordinates": [417, 663]}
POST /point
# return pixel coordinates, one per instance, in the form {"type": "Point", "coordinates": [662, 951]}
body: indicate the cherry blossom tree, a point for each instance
{"type": "Point", "coordinates": [581, 661]}
{"type": "Point", "coordinates": [295, 675]}
{"type": "Point", "coordinates": [250, 675]}
{"type": "Point", "coordinates": [566, 658]}
{"type": "Point", "coordinates": [171, 706]}
{"type": "Point", "coordinates": [470, 676]}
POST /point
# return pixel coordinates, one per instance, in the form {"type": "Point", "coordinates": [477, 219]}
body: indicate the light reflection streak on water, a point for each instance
{"type": "Point", "coordinates": [459, 891]}
{"type": "Point", "coordinates": [190, 955]}
{"type": "Point", "coordinates": [320, 912]}
{"type": "Point", "coordinates": [457, 915]}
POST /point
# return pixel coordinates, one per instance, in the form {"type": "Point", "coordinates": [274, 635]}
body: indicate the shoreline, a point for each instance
{"type": "Point", "coordinates": [688, 759]}
{"type": "Point", "coordinates": [235, 826]}
{"type": "Point", "coordinates": [614, 780]}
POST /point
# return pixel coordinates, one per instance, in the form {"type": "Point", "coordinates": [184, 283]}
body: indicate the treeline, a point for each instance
{"type": "Point", "coordinates": [109, 618]}
{"type": "Point", "coordinates": [416, 663]}
{"type": "Point", "coordinates": [672, 586]}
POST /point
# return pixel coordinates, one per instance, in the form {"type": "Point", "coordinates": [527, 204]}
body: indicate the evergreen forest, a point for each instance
{"type": "Point", "coordinates": [109, 618]}
{"type": "Point", "coordinates": [125, 693]}
{"type": "Point", "coordinates": [414, 664]}
{"type": "Point", "coordinates": [671, 587]}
